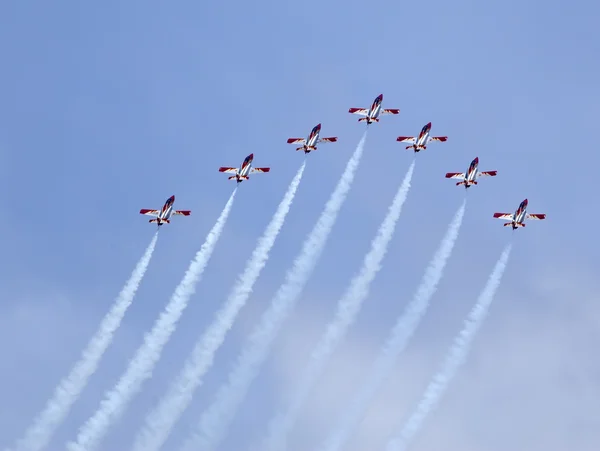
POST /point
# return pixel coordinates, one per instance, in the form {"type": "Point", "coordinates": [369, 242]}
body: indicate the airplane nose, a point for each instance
{"type": "Point", "coordinates": [251, 155]}
{"type": "Point", "coordinates": [428, 125]}
{"type": "Point", "coordinates": [476, 160]}
{"type": "Point", "coordinates": [318, 126]}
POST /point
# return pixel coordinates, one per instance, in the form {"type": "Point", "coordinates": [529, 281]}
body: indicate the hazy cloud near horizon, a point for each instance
{"type": "Point", "coordinates": [531, 381]}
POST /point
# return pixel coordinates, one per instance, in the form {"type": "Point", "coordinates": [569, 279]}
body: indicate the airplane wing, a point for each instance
{"type": "Point", "coordinates": [225, 169]}
{"type": "Point", "coordinates": [487, 173]}
{"type": "Point", "coordinates": [455, 175]}
{"type": "Point", "coordinates": [261, 169]}
{"type": "Point", "coordinates": [296, 141]}
{"type": "Point", "coordinates": [438, 138]}
{"type": "Point", "coordinates": [536, 216]}
{"type": "Point", "coordinates": [390, 111]}
{"type": "Point", "coordinates": [145, 211]}
{"type": "Point", "coordinates": [360, 111]}
{"type": "Point", "coordinates": [328, 140]}
{"type": "Point", "coordinates": [182, 212]}
{"type": "Point", "coordinates": [506, 216]}
{"type": "Point", "coordinates": [406, 139]}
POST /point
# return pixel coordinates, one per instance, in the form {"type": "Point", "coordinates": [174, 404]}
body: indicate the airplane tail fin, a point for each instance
{"type": "Point", "coordinates": [517, 225]}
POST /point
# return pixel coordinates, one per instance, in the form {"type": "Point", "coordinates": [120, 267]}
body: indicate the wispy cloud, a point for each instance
{"type": "Point", "coordinates": [216, 418]}
{"type": "Point", "coordinates": [160, 421]}
{"type": "Point", "coordinates": [140, 367]}
{"type": "Point", "coordinates": [399, 336]}
{"type": "Point", "coordinates": [348, 308]}
{"type": "Point", "coordinates": [455, 357]}
{"type": "Point", "coordinates": [40, 432]}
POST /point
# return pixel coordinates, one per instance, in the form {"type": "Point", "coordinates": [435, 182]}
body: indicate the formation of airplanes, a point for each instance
{"type": "Point", "coordinates": [370, 115]}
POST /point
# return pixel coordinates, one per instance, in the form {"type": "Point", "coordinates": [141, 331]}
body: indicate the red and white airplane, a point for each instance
{"type": "Point", "coordinates": [372, 114]}
{"type": "Point", "coordinates": [242, 172]}
{"type": "Point", "coordinates": [420, 142]}
{"type": "Point", "coordinates": [470, 177]}
{"type": "Point", "coordinates": [311, 142]}
{"type": "Point", "coordinates": [165, 213]}
{"type": "Point", "coordinates": [518, 218]}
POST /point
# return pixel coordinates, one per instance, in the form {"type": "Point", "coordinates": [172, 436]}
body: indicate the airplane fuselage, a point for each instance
{"type": "Point", "coordinates": [313, 138]}
{"type": "Point", "coordinates": [244, 170]}
{"type": "Point", "coordinates": [422, 139]}
{"type": "Point", "coordinates": [375, 110]}
{"type": "Point", "coordinates": [166, 211]}
{"type": "Point", "coordinates": [471, 177]}
{"type": "Point", "coordinates": [519, 217]}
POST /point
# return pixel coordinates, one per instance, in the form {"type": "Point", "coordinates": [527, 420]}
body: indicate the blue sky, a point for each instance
{"type": "Point", "coordinates": [113, 107]}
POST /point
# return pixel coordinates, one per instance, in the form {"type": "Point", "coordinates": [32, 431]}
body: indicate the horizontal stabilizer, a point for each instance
{"type": "Point", "coordinates": [518, 224]}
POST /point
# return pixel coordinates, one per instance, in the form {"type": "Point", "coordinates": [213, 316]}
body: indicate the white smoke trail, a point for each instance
{"type": "Point", "coordinates": [348, 308]}
{"type": "Point", "coordinates": [399, 336]}
{"type": "Point", "coordinates": [40, 432]}
{"type": "Point", "coordinates": [140, 367]}
{"type": "Point", "coordinates": [217, 417]}
{"type": "Point", "coordinates": [454, 359]}
{"type": "Point", "coordinates": [160, 421]}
